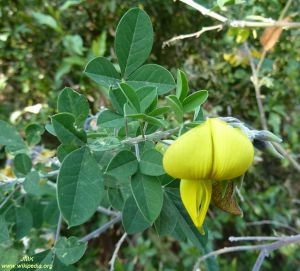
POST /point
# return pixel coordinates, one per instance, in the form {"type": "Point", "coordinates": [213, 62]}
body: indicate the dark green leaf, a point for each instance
{"type": "Point", "coordinates": [132, 218]}
{"type": "Point", "coordinates": [134, 39]}
{"type": "Point", "coordinates": [103, 72]}
{"type": "Point", "coordinates": [152, 75]}
{"type": "Point", "coordinates": [63, 124]}
{"type": "Point", "coordinates": [118, 196]}
{"type": "Point", "coordinates": [21, 218]}
{"type": "Point", "coordinates": [63, 150]}
{"type": "Point", "coordinates": [148, 195]}
{"type": "Point", "coordinates": [167, 220]}
{"type": "Point", "coordinates": [70, 101]}
{"type": "Point", "coordinates": [51, 213]}
{"type": "Point", "coordinates": [184, 220]}
{"type": "Point", "coordinates": [123, 164]}
{"type": "Point", "coordinates": [194, 100]}
{"type": "Point", "coordinates": [10, 137]}
{"type": "Point", "coordinates": [109, 119]}
{"type": "Point", "coordinates": [176, 106]}
{"type": "Point", "coordinates": [59, 266]}
{"type": "Point", "coordinates": [159, 111]}
{"type": "Point", "coordinates": [146, 96]}
{"type": "Point", "coordinates": [79, 187]}
{"type": "Point", "coordinates": [33, 185]}
{"type": "Point", "coordinates": [149, 119]}
{"type": "Point", "coordinates": [70, 250]}
{"type": "Point", "coordinates": [33, 133]}
{"type": "Point", "coordinates": [4, 234]}
{"type": "Point", "coordinates": [131, 96]}
{"type": "Point", "coordinates": [182, 88]}
{"type": "Point", "coordinates": [151, 163]}
{"type": "Point", "coordinates": [22, 164]}
{"type": "Point", "coordinates": [199, 114]}
{"type": "Point", "coordinates": [118, 99]}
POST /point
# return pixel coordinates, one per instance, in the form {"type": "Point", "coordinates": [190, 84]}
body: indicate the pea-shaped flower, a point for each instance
{"type": "Point", "coordinates": [210, 152]}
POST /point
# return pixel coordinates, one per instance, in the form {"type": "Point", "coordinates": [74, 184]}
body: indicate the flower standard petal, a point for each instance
{"type": "Point", "coordinates": [233, 151]}
{"type": "Point", "coordinates": [190, 156]}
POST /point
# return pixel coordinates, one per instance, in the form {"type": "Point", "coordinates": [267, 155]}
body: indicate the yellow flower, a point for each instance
{"type": "Point", "coordinates": [212, 151]}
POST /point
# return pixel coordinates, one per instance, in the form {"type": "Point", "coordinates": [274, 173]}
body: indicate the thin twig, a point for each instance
{"type": "Point", "coordinates": [156, 136]}
{"type": "Point", "coordinates": [205, 11]}
{"type": "Point", "coordinates": [242, 23]}
{"type": "Point", "coordinates": [268, 248]}
{"type": "Point", "coordinates": [256, 84]}
{"type": "Point", "coordinates": [107, 211]}
{"type": "Point", "coordinates": [254, 238]}
{"type": "Point", "coordinates": [115, 254]}
{"type": "Point", "coordinates": [99, 231]}
{"type": "Point", "coordinates": [191, 35]}
{"type": "Point", "coordinates": [260, 259]}
{"type": "Point", "coordinates": [232, 23]}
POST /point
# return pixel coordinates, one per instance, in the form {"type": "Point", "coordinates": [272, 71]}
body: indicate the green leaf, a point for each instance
{"type": "Point", "coordinates": [99, 44]}
{"type": "Point", "coordinates": [118, 196]}
{"type": "Point", "coordinates": [33, 133]}
{"type": "Point", "coordinates": [146, 95]}
{"type": "Point", "coordinates": [109, 119]}
{"type": "Point", "coordinates": [34, 185]}
{"type": "Point", "coordinates": [73, 44]}
{"type": "Point", "coordinates": [22, 164]}
{"type": "Point", "coordinates": [194, 100]}
{"type": "Point", "coordinates": [123, 164]}
{"type": "Point", "coordinates": [58, 265]}
{"type": "Point", "coordinates": [63, 150]}
{"type": "Point", "coordinates": [22, 219]}
{"type": "Point", "coordinates": [134, 39]}
{"type": "Point", "coordinates": [199, 114]}
{"type": "Point", "coordinates": [79, 187]}
{"type": "Point", "coordinates": [176, 106]}
{"type": "Point", "coordinates": [103, 72]}
{"type": "Point", "coordinates": [152, 75]}
{"type": "Point", "coordinates": [159, 111]}
{"type": "Point", "coordinates": [51, 213]}
{"type": "Point", "coordinates": [151, 163]}
{"type": "Point", "coordinates": [149, 119]}
{"type": "Point", "coordinates": [182, 88]}
{"type": "Point", "coordinates": [10, 137]}
{"type": "Point", "coordinates": [148, 195]}
{"type": "Point", "coordinates": [132, 218]}
{"type": "Point", "coordinates": [70, 101]}
{"type": "Point", "coordinates": [167, 220]}
{"type": "Point", "coordinates": [49, 128]}
{"type": "Point", "coordinates": [45, 19]}
{"type": "Point", "coordinates": [63, 124]}
{"type": "Point", "coordinates": [4, 234]}
{"type": "Point", "coordinates": [131, 96]}
{"type": "Point", "coordinates": [70, 250]}
{"type": "Point", "coordinates": [118, 99]}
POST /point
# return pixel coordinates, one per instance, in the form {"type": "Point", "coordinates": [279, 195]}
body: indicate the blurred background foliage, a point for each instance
{"type": "Point", "coordinates": [45, 45]}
